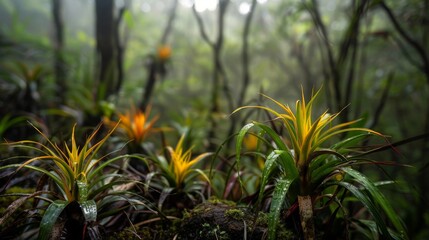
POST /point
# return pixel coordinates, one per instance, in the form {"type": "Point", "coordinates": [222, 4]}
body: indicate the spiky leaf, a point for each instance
{"type": "Point", "coordinates": [50, 218]}
{"type": "Point", "coordinates": [279, 196]}
{"type": "Point", "coordinates": [379, 199]}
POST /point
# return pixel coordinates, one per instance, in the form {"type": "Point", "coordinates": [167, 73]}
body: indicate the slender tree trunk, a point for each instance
{"type": "Point", "coordinates": [245, 59]}
{"type": "Point", "coordinates": [155, 66]}
{"type": "Point", "coordinates": [150, 83]}
{"type": "Point", "coordinates": [120, 48]}
{"type": "Point", "coordinates": [59, 61]}
{"type": "Point", "coordinates": [306, 217]}
{"type": "Point", "coordinates": [106, 49]}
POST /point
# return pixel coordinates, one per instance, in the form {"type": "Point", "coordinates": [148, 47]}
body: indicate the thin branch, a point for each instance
{"type": "Point", "coordinates": [382, 102]}
{"type": "Point", "coordinates": [314, 12]}
{"type": "Point", "coordinates": [351, 41]}
{"type": "Point", "coordinates": [245, 53]}
{"type": "Point", "coordinates": [59, 61]}
{"type": "Point", "coordinates": [413, 43]}
{"type": "Point", "coordinates": [156, 68]}
{"type": "Point", "coordinates": [202, 28]}
{"type": "Point", "coordinates": [170, 22]}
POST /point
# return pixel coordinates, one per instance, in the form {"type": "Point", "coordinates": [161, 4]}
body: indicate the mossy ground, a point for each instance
{"type": "Point", "coordinates": [211, 220]}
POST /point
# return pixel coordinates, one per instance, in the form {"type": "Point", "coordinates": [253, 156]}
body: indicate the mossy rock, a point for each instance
{"type": "Point", "coordinates": [217, 220]}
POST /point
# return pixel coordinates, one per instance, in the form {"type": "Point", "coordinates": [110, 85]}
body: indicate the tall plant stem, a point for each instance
{"type": "Point", "coordinates": [306, 216]}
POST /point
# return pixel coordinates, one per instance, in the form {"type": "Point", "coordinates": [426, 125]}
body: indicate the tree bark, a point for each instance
{"type": "Point", "coordinates": [59, 61]}
{"type": "Point", "coordinates": [306, 216]}
{"type": "Point", "coordinates": [155, 67]}
{"type": "Point", "coordinates": [245, 54]}
{"type": "Point", "coordinates": [106, 49]}
{"type": "Point", "coordinates": [120, 48]}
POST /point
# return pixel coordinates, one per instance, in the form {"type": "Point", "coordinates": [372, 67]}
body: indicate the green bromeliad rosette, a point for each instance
{"type": "Point", "coordinates": [81, 174]}
{"type": "Point", "coordinates": [178, 175]}
{"type": "Point", "coordinates": [314, 172]}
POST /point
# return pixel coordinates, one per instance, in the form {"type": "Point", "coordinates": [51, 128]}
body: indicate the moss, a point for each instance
{"type": "Point", "coordinates": [208, 231]}
{"type": "Point", "coordinates": [262, 219]}
{"type": "Point", "coordinates": [186, 213]}
{"type": "Point", "coordinates": [234, 213]}
{"type": "Point", "coordinates": [284, 233]}
{"type": "Point", "coordinates": [215, 200]}
{"type": "Point", "coordinates": [219, 221]}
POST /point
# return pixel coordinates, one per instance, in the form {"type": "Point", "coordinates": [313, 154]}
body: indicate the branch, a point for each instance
{"type": "Point", "coordinates": [202, 28]}
{"type": "Point", "coordinates": [245, 54]}
{"type": "Point", "coordinates": [382, 102]}
{"type": "Point", "coordinates": [417, 47]}
{"type": "Point", "coordinates": [351, 41]}
{"type": "Point", "coordinates": [314, 12]}
{"type": "Point", "coordinates": [170, 22]}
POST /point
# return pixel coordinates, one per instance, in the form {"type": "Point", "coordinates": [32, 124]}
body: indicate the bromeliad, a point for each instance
{"type": "Point", "coordinates": [312, 163]}
{"type": "Point", "coordinates": [135, 124]}
{"type": "Point", "coordinates": [78, 172]}
{"type": "Point", "coordinates": [181, 162]}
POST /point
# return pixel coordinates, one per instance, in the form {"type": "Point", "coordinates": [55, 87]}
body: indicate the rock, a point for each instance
{"type": "Point", "coordinates": [217, 220]}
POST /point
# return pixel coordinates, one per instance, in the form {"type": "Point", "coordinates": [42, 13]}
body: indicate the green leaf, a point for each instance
{"type": "Point", "coordinates": [365, 199]}
{"type": "Point", "coordinates": [275, 137]}
{"type": "Point", "coordinates": [238, 146]}
{"type": "Point", "coordinates": [349, 142]}
{"type": "Point", "coordinates": [106, 163]}
{"type": "Point", "coordinates": [320, 173]}
{"type": "Point", "coordinates": [89, 210]}
{"type": "Point", "coordinates": [326, 163]}
{"type": "Point", "coordinates": [279, 196]}
{"type": "Point", "coordinates": [240, 138]}
{"type": "Point", "coordinates": [164, 194]}
{"type": "Point", "coordinates": [50, 218]}
{"type": "Point", "coordinates": [378, 198]}
{"type": "Point", "coordinates": [287, 159]}
{"type": "Point", "coordinates": [268, 168]}
{"type": "Point", "coordinates": [372, 226]}
{"type": "Point", "coordinates": [82, 190]}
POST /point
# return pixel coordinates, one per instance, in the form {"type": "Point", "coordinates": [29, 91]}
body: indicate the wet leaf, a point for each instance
{"type": "Point", "coordinates": [279, 196]}
{"type": "Point", "coordinates": [50, 218]}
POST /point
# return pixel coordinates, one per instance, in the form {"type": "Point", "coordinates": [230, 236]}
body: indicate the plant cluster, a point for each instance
{"type": "Point", "coordinates": [307, 180]}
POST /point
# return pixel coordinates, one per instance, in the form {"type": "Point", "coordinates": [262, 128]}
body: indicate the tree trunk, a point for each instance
{"type": "Point", "coordinates": [156, 67]}
{"type": "Point", "coordinates": [106, 49]}
{"type": "Point", "coordinates": [59, 62]}
{"type": "Point", "coordinates": [306, 216]}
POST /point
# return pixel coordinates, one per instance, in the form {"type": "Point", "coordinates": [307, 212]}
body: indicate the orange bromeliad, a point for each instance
{"type": "Point", "coordinates": [135, 124]}
{"type": "Point", "coordinates": [164, 52]}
